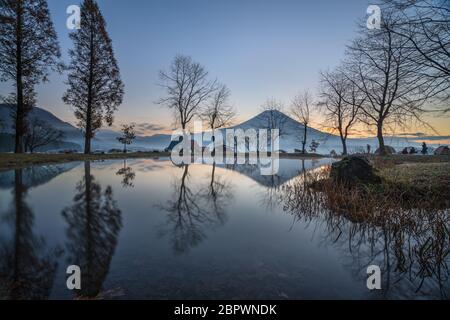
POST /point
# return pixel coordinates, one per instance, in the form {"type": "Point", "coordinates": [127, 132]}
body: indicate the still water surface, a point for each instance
{"type": "Point", "coordinates": [147, 229]}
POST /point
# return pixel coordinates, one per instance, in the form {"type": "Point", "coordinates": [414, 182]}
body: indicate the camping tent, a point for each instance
{"type": "Point", "coordinates": [442, 150]}
{"type": "Point", "coordinates": [388, 149]}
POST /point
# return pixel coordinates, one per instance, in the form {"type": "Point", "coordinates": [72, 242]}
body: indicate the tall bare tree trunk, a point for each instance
{"type": "Point", "coordinates": [20, 112]}
{"type": "Point", "coordinates": [304, 138]}
{"type": "Point", "coordinates": [344, 145]}
{"type": "Point", "coordinates": [87, 137]}
{"type": "Point", "coordinates": [213, 138]}
{"type": "Point", "coordinates": [380, 138]}
{"type": "Point", "coordinates": [212, 175]}
{"type": "Point", "coordinates": [88, 133]}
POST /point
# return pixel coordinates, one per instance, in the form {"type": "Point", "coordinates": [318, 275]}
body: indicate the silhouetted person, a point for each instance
{"type": "Point", "coordinates": [368, 148]}
{"type": "Point", "coordinates": [424, 148]}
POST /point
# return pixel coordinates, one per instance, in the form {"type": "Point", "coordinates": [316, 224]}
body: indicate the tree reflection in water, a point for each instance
{"type": "Point", "coordinates": [410, 245]}
{"type": "Point", "coordinates": [94, 224]}
{"type": "Point", "coordinates": [128, 175]}
{"type": "Point", "coordinates": [27, 268]}
{"type": "Point", "coordinates": [218, 195]}
{"type": "Point", "coordinates": [192, 211]}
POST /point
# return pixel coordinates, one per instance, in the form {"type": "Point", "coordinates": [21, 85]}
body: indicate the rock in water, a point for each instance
{"type": "Point", "coordinates": [354, 170]}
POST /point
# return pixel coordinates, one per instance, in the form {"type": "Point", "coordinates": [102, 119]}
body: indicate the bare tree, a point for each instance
{"type": "Point", "coordinates": [313, 146]}
{"type": "Point", "coordinates": [301, 111]}
{"type": "Point", "coordinates": [40, 134]}
{"type": "Point", "coordinates": [425, 24]}
{"type": "Point", "coordinates": [28, 51]}
{"type": "Point", "coordinates": [95, 88]}
{"type": "Point", "coordinates": [392, 85]}
{"type": "Point", "coordinates": [219, 113]}
{"type": "Point", "coordinates": [128, 135]}
{"type": "Point", "coordinates": [272, 117]}
{"type": "Point", "coordinates": [341, 102]}
{"type": "Point", "coordinates": [187, 87]}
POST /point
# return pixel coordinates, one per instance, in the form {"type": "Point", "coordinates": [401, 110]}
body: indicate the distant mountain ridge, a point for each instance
{"type": "Point", "coordinates": [70, 140]}
{"type": "Point", "coordinates": [104, 139]}
{"type": "Point", "coordinates": [38, 113]}
{"type": "Point", "coordinates": [287, 124]}
{"type": "Point", "coordinates": [291, 130]}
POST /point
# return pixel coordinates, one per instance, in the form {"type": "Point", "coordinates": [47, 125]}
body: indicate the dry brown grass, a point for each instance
{"type": "Point", "coordinates": [408, 182]}
{"type": "Point", "coordinates": [414, 232]}
{"type": "Point", "coordinates": [395, 159]}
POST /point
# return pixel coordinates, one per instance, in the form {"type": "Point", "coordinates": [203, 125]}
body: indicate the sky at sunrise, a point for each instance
{"type": "Point", "coordinates": [259, 48]}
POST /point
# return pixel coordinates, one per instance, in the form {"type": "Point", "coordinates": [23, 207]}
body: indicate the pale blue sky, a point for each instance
{"type": "Point", "coordinates": [260, 49]}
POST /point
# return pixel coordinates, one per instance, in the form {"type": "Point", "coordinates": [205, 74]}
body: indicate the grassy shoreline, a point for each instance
{"type": "Point", "coordinates": [11, 161]}
{"type": "Point", "coordinates": [407, 182]}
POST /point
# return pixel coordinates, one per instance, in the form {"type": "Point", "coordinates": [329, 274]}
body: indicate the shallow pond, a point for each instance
{"type": "Point", "coordinates": [147, 229]}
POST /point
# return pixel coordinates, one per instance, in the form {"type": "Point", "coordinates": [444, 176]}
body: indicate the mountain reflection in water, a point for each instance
{"type": "Point", "coordinates": [148, 229]}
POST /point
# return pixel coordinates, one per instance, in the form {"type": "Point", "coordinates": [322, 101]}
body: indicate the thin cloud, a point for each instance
{"type": "Point", "coordinates": [412, 134]}
{"type": "Point", "coordinates": [149, 127]}
{"type": "Point", "coordinates": [146, 128]}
